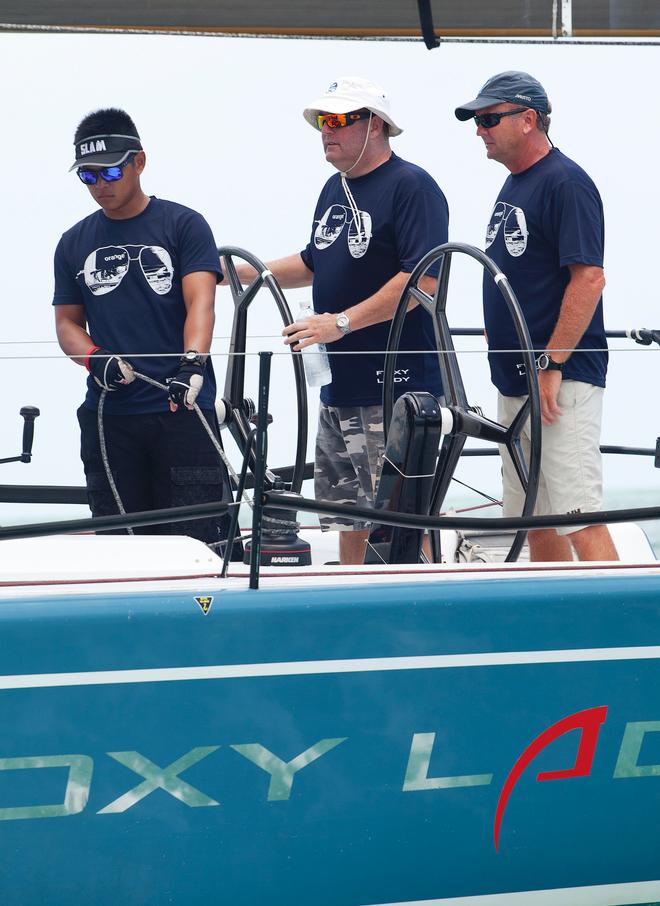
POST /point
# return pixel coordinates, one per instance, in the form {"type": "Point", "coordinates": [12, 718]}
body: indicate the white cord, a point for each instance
{"type": "Point", "coordinates": [357, 214]}
{"type": "Point", "coordinates": [207, 428]}
{"type": "Point", "coordinates": [106, 461]}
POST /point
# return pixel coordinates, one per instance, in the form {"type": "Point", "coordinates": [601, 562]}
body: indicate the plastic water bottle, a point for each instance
{"type": "Point", "coordinates": [317, 366]}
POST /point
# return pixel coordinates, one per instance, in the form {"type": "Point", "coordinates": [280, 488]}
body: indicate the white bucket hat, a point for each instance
{"type": "Point", "coordinates": [352, 93]}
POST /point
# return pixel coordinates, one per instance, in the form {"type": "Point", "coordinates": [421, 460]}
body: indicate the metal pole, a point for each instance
{"type": "Point", "coordinates": [567, 18]}
{"type": "Point", "coordinates": [233, 525]}
{"type": "Point", "coordinates": [261, 451]}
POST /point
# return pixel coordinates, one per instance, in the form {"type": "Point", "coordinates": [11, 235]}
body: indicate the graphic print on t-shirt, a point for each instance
{"type": "Point", "coordinates": [515, 228]}
{"type": "Point", "coordinates": [330, 227]}
{"type": "Point", "coordinates": [105, 268]}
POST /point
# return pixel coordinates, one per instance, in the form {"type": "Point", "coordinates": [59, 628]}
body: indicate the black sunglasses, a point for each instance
{"type": "Point", "coordinates": [488, 120]}
{"type": "Point", "coordinates": [108, 174]}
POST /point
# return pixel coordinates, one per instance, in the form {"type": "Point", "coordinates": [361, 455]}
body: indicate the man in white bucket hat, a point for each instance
{"type": "Point", "coordinates": [374, 220]}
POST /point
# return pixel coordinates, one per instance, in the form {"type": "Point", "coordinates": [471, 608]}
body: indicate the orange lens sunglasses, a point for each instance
{"type": "Point", "coordinates": [339, 120]}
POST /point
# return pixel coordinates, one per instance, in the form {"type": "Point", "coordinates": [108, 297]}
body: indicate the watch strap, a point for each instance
{"type": "Point", "coordinates": [545, 362]}
{"type": "Point", "coordinates": [193, 357]}
{"type": "Point", "coordinates": [343, 322]}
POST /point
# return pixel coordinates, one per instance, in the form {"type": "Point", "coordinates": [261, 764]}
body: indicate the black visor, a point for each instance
{"type": "Point", "coordinates": [105, 150]}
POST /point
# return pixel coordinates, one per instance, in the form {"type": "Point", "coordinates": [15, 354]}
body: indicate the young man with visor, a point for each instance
{"type": "Point", "coordinates": [134, 292]}
{"type": "Point", "coordinates": [546, 233]}
{"type": "Point", "coordinates": [374, 220]}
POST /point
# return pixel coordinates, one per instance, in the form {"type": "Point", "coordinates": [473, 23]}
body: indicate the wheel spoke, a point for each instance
{"type": "Point", "coordinates": [450, 372]}
{"type": "Point", "coordinates": [426, 301]}
{"type": "Point", "coordinates": [229, 270]}
{"type": "Point", "coordinates": [450, 454]}
{"type": "Point", "coordinates": [515, 451]}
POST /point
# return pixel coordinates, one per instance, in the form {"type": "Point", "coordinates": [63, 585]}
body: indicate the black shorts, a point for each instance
{"type": "Point", "coordinates": [158, 460]}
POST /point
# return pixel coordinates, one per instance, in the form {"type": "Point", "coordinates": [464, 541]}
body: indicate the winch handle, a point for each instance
{"type": "Point", "coordinates": [643, 335]}
{"type": "Point", "coordinates": [29, 414]}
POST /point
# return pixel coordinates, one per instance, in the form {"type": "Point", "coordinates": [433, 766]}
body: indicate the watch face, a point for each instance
{"type": "Point", "coordinates": [545, 363]}
{"type": "Point", "coordinates": [343, 323]}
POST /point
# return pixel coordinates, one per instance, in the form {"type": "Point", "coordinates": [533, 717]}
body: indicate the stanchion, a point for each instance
{"type": "Point", "coordinates": [261, 451]}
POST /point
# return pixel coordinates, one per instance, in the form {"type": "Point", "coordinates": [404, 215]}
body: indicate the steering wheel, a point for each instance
{"type": "Point", "coordinates": [469, 421]}
{"type": "Point", "coordinates": [234, 393]}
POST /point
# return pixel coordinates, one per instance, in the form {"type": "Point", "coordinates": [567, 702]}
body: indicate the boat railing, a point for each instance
{"type": "Point", "coordinates": [265, 498]}
{"type": "Point", "coordinates": [277, 490]}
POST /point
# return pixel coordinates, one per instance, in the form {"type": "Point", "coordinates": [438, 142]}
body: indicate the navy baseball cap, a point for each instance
{"type": "Point", "coordinates": [510, 87]}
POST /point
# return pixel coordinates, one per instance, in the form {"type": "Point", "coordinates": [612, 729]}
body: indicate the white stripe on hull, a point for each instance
{"type": "Point", "coordinates": [310, 668]}
{"type": "Point", "coordinates": [602, 895]}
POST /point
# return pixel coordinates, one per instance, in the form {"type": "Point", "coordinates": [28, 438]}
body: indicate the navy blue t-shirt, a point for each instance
{"type": "Point", "coordinates": [545, 218]}
{"type": "Point", "coordinates": [128, 276]}
{"type": "Point", "coordinates": [403, 216]}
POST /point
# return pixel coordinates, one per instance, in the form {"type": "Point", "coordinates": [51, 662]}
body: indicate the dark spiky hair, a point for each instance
{"type": "Point", "coordinates": [109, 121]}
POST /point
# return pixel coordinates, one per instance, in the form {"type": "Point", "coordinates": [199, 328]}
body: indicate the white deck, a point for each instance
{"type": "Point", "coordinates": [87, 564]}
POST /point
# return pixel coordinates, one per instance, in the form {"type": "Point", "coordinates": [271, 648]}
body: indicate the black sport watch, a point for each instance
{"type": "Point", "coordinates": [545, 362]}
{"type": "Point", "coordinates": [192, 357]}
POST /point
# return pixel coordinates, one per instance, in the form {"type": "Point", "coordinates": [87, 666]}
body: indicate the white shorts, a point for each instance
{"type": "Point", "coordinates": [571, 479]}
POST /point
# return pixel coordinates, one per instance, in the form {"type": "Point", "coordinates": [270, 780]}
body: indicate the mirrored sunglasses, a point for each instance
{"type": "Point", "coordinates": [108, 174]}
{"type": "Point", "coordinates": [339, 120]}
{"type": "Point", "coordinates": [488, 120]}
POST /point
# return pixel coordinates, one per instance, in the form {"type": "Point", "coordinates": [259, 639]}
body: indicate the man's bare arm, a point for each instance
{"type": "Point", "coordinates": [70, 324]}
{"type": "Point", "coordinates": [322, 328]}
{"type": "Point", "coordinates": [290, 272]}
{"type": "Point", "coordinates": [581, 297]}
{"type": "Point", "coordinates": [199, 299]}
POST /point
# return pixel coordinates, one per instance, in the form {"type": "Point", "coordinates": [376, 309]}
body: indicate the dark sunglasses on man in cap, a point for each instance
{"type": "Point", "coordinates": [490, 120]}
{"type": "Point", "coordinates": [340, 120]}
{"type": "Point", "coordinates": [108, 174]}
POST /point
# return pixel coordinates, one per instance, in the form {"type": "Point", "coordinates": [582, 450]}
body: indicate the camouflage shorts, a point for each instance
{"type": "Point", "coordinates": [349, 455]}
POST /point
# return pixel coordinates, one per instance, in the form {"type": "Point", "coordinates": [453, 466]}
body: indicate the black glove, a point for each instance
{"type": "Point", "coordinates": [187, 382]}
{"type": "Point", "coordinates": [108, 370]}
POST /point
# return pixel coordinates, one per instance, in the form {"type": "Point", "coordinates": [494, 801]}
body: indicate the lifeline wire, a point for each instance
{"type": "Point", "coordinates": [286, 352]}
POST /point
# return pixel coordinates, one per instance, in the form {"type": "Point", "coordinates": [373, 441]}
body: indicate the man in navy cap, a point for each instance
{"type": "Point", "coordinates": [134, 292]}
{"type": "Point", "coordinates": [546, 233]}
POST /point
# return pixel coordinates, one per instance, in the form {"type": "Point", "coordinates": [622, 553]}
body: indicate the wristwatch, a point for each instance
{"type": "Point", "coordinates": [545, 362]}
{"type": "Point", "coordinates": [192, 357]}
{"type": "Point", "coordinates": [343, 322]}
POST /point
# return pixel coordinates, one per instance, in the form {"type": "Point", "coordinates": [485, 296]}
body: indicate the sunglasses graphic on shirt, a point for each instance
{"type": "Point", "coordinates": [106, 267]}
{"type": "Point", "coordinates": [330, 227]}
{"type": "Point", "coordinates": [515, 228]}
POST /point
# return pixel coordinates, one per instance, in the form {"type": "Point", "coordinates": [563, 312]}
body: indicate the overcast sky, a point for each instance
{"type": "Point", "coordinates": [221, 121]}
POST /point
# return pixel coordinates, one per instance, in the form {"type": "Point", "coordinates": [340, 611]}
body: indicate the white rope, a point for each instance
{"type": "Point", "coordinates": [286, 524]}
{"type": "Point", "coordinates": [207, 428]}
{"type": "Point", "coordinates": [106, 461]}
{"type": "Point", "coordinates": [404, 474]}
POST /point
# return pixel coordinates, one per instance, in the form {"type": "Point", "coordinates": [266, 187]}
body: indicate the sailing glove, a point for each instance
{"type": "Point", "coordinates": [108, 370]}
{"type": "Point", "coordinates": [187, 382]}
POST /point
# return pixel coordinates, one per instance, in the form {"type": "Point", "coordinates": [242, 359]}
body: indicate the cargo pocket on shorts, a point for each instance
{"type": "Point", "coordinates": [199, 484]}
{"type": "Point", "coordinates": [99, 495]}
